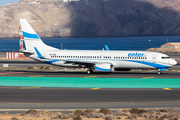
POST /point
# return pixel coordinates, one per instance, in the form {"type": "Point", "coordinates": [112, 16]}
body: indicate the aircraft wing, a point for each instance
{"type": "Point", "coordinates": [88, 63]}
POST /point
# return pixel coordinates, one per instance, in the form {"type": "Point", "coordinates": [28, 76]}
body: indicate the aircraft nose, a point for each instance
{"type": "Point", "coordinates": [172, 62]}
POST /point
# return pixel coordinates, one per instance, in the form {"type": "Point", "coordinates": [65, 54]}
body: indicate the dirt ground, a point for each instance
{"type": "Point", "coordinates": [18, 117]}
{"type": "Point", "coordinates": [102, 114]}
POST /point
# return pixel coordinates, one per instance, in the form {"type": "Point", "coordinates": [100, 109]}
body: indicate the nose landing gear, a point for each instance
{"type": "Point", "coordinates": [162, 69]}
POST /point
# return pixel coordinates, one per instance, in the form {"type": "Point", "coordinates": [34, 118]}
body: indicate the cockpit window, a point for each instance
{"type": "Point", "coordinates": [165, 57]}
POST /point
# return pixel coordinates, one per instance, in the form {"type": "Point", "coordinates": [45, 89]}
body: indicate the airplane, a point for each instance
{"type": "Point", "coordinates": [94, 60]}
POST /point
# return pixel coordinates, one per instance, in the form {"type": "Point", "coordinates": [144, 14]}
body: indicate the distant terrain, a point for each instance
{"type": "Point", "coordinates": [92, 18]}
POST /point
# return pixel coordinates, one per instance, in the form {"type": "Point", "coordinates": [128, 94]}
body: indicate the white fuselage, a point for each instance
{"type": "Point", "coordinates": [119, 59]}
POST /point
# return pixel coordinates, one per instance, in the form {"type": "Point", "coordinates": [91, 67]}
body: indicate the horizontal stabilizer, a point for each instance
{"type": "Point", "coordinates": [22, 51]}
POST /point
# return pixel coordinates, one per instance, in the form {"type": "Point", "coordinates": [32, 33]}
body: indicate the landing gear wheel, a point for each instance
{"type": "Point", "coordinates": [159, 72]}
{"type": "Point", "coordinates": [89, 71]}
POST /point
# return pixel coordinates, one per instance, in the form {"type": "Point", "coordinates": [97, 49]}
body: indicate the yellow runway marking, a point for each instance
{"type": "Point", "coordinates": [147, 77]}
{"type": "Point", "coordinates": [167, 89]}
{"type": "Point", "coordinates": [29, 87]}
{"type": "Point", "coordinates": [37, 76]}
{"type": "Point", "coordinates": [90, 76]}
{"type": "Point", "coordinates": [95, 88]}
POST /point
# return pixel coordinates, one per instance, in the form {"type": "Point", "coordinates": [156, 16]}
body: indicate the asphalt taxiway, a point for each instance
{"type": "Point", "coordinates": [82, 73]}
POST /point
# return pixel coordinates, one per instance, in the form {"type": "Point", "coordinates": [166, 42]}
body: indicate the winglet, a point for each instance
{"type": "Point", "coordinates": [38, 53]}
{"type": "Point", "coordinates": [106, 47]}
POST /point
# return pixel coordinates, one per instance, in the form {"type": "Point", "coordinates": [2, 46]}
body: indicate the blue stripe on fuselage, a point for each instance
{"type": "Point", "coordinates": [51, 61]}
{"type": "Point", "coordinates": [155, 65]}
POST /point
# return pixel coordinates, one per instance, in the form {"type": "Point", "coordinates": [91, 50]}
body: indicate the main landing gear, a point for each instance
{"type": "Point", "coordinates": [159, 72]}
{"type": "Point", "coordinates": [90, 71]}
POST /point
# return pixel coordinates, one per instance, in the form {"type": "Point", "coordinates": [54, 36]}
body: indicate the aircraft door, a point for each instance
{"type": "Point", "coordinates": [154, 58]}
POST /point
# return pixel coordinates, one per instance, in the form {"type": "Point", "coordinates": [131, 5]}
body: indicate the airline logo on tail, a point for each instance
{"type": "Point", "coordinates": [28, 31]}
{"type": "Point", "coordinates": [30, 36]}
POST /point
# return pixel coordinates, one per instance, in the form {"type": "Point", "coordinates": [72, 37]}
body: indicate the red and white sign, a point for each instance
{"type": "Point", "coordinates": [11, 55]}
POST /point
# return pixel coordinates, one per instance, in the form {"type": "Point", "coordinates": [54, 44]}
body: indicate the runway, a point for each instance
{"type": "Point", "coordinates": [70, 98]}
{"type": "Point", "coordinates": [82, 73]}
{"type": "Point", "coordinates": [25, 97]}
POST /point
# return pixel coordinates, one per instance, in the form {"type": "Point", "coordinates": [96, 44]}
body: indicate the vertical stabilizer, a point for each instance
{"type": "Point", "coordinates": [28, 31]}
{"type": "Point", "coordinates": [31, 39]}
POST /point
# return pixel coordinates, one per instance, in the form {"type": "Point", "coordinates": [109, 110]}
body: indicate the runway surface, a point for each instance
{"type": "Point", "coordinates": [82, 73]}
{"type": "Point", "coordinates": [25, 97]}
{"type": "Point", "coordinates": [70, 98]}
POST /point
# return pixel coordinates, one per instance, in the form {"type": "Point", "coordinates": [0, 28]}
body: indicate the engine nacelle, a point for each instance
{"type": "Point", "coordinates": [103, 67]}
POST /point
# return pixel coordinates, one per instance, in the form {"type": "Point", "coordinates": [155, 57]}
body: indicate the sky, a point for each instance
{"type": "Point", "coordinates": [4, 2]}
